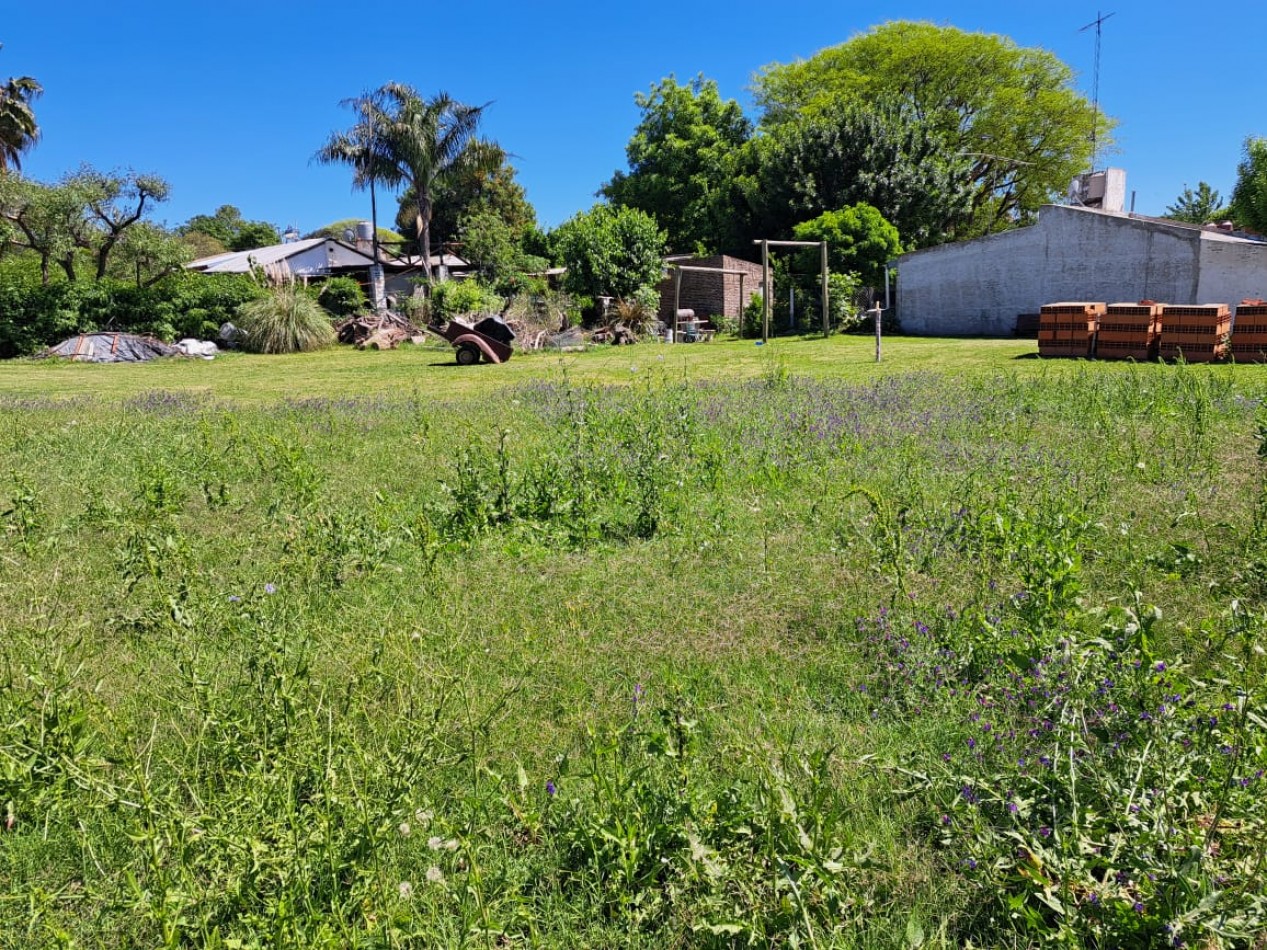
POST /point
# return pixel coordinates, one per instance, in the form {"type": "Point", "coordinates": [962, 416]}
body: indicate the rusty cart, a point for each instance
{"type": "Point", "coordinates": [488, 340]}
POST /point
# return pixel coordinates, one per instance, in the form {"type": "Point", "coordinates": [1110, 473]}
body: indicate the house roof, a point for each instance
{"type": "Point", "coordinates": [1159, 224]}
{"type": "Point", "coordinates": [337, 256]}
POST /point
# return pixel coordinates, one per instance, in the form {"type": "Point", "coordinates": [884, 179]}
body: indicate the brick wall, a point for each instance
{"type": "Point", "coordinates": [710, 294]}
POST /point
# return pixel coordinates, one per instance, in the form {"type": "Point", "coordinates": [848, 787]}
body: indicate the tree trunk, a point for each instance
{"type": "Point", "coordinates": [424, 231]}
{"type": "Point", "coordinates": [68, 265]}
{"type": "Point", "coordinates": [103, 254]}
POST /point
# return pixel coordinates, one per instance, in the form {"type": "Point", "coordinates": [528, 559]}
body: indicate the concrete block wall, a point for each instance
{"type": "Point", "coordinates": [977, 288]}
{"type": "Point", "coordinates": [1231, 270]}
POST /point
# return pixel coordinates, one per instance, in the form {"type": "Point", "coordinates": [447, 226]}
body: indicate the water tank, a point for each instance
{"type": "Point", "coordinates": [364, 231]}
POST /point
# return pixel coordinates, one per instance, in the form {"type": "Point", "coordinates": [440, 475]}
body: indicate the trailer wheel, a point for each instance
{"type": "Point", "coordinates": [468, 354]}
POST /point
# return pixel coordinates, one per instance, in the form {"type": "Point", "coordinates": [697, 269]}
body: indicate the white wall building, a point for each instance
{"type": "Point", "coordinates": [978, 287]}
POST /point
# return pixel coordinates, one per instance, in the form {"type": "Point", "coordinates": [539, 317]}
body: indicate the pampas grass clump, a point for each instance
{"type": "Point", "coordinates": [286, 320]}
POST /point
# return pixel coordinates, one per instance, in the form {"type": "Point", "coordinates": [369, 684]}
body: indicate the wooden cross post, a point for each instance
{"type": "Point", "coordinates": [765, 291]}
{"type": "Point", "coordinates": [826, 318]}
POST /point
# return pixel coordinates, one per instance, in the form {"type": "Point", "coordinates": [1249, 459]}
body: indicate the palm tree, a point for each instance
{"type": "Point", "coordinates": [18, 128]}
{"type": "Point", "coordinates": [401, 139]}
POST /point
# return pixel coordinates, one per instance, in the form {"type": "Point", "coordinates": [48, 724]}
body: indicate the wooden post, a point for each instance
{"type": "Point", "coordinates": [677, 303]}
{"type": "Point", "coordinates": [742, 305]}
{"type": "Point", "coordinates": [765, 291]}
{"type": "Point", "coordinates": [878, 315]}
{"type": "Point", "coordinates": [826, 318]}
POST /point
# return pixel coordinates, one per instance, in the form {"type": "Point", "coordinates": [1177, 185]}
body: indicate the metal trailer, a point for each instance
{"type": "Point", "coordinates": [488, 340]}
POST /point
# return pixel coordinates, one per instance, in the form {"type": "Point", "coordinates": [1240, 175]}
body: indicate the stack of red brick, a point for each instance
{"type": "Point", "coordinates": [1068, 329]}
{"type": "Point", "coordinates": [1200, 333]}
{"type": "Point", "coordinates": [1249, 332]}
{"type": "Point", "coordinates": [1129, 331]}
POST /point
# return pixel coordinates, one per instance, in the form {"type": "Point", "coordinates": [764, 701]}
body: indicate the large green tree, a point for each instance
{"type": "Point", "coordinates": [683, 158]}
{"type": "Point", "coordinates": [19, 130]}
{"type": "Point", "coordinates": [403, 140]}
{"type": "Point", "coordinates": [848, 152]}
{"type": "Point", "coordinates": [47, 221]}
{"type": "Point", "coordinates": [117, 202]}
{"type": "Point", "coordinates": [1249, 196]}
{"type": "Point", "coordinates": [232, 230]}
{"type": "Point", "coordinates": [87, 214]}
{"type": "Point", "coordinates": [859, 241]}
{"type": "Point", "coordinates": [482, 187]}
{"type": "Point", "coordinates": [1012, 110]}
{"type": "Point", "coordinates": [496, 251]}
{"type": "Point", "coordinates": [1197, 207]}
{"type": "Point", "coordinates": [616, 252]}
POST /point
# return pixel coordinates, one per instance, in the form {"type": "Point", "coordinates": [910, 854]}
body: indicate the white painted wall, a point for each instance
{"type": "Point", "coordinates": [977, 288]}
{"type": "Point", "coordinates": [1231, 270]}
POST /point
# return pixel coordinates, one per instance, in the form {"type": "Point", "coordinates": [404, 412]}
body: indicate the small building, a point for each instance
{"type": "Point", "coordinates": [979, 287]}
{"type": "Point", "coordinates": [709, 295]}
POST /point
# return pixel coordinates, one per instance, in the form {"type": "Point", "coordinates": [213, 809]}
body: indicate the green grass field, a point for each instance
{"type": "Point", "coordinates": [430, 369]}
{"type": "Point", "coordinates": [706, 646]}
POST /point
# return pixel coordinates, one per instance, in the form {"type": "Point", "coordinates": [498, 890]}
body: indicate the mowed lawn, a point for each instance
{"type": "Point", "coordinates": [431, 370]}
{"type": "Point", "coordinates": [716, 645]}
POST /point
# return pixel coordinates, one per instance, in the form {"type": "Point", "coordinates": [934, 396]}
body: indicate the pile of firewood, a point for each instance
{"type": "Point", "coordinates": [616, 334]}
{"type": "Point", "coordinates": [376, 331]}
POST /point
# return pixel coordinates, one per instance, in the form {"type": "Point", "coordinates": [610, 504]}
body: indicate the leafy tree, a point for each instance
{"type": "Point", "coordinates": [18, 129]}
{"type": "Point", "coordinates": [200, 245]}
{"type": "Point", "coordinates": [683, 157]}
{"type": "Point", "coordinates": [337, 229]}
{"type": "Point", "coordinates": [859, 240]}
{"type": "Point", "coordinates": [493, 247]}
{"type": "Point", "coordinates": [487, 185]}
{"type": "Point", "coordinates": [1249, 196]}
{"type": "Point", "coordinates": [87, 211]}
{"type": "Point", "coordinates": [1197, 207]}
{"type": "Point", "coordinates": [232, 230]}
{"type": "Point", "coordinates": [148, 253]}
{"type": "Point", "coordinates": [116, 202]}
{"type": "Point", "coordinates": [608, 251]}
{"type": "Point", "coordinates": [49, 221]}
{"type": "Point", "coordinates": [401, 139]}
{"type": "Point", "coordinates": [846, 153]}
{"type": "Point", "coordinates": [1012, 110]}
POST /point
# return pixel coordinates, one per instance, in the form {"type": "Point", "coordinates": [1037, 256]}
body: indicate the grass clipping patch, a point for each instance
{"type": "Point", "coordinates": [287, 320]}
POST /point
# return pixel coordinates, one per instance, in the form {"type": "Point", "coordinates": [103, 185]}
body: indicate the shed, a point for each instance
{"type": "Point", "coordinates": [979, 287]}
{"type": "Point", "coordinates": [709, 295]}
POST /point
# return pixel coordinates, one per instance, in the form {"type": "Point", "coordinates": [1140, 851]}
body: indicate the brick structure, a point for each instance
{"type": "Point", "coordinates": [709, 295]}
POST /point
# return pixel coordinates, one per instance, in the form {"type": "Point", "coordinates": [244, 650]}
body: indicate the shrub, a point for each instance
{"type": "Point", "coordinates": [35, 315]}
{"type": "Point", "coordinates": [287, 320]}
{"type": "Point", "coordinates": [342, 296]}
{"type": "Point", "coordinates": [454, 298]}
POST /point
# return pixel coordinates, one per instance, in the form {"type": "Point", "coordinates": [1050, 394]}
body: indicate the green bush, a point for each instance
{"type": "Point", "coordinates": [287, 320]}
{"type": "Point", "coordinates": [342, 296]}
{"type": "Point", "coordinates": [35, 315]}
{"type": "Point", "coordinates": [455, 298]}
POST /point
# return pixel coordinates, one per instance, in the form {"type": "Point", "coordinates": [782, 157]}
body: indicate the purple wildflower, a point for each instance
{"type": "Point", "coordinates": [270, 589]}
{"type": "Point", "coordinates": [551, 790]}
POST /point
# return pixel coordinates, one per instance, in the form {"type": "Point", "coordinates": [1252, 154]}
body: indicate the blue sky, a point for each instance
{"type": "Point", "coordinates": [229, 100]}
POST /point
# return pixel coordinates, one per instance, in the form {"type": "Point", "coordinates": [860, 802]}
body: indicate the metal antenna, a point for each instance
{"type": "Point", "coordinates": [1098, 23]}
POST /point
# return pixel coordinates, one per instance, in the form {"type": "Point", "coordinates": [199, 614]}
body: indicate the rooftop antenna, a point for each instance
{"type": "Point", "coordinates": [1098, 23]}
